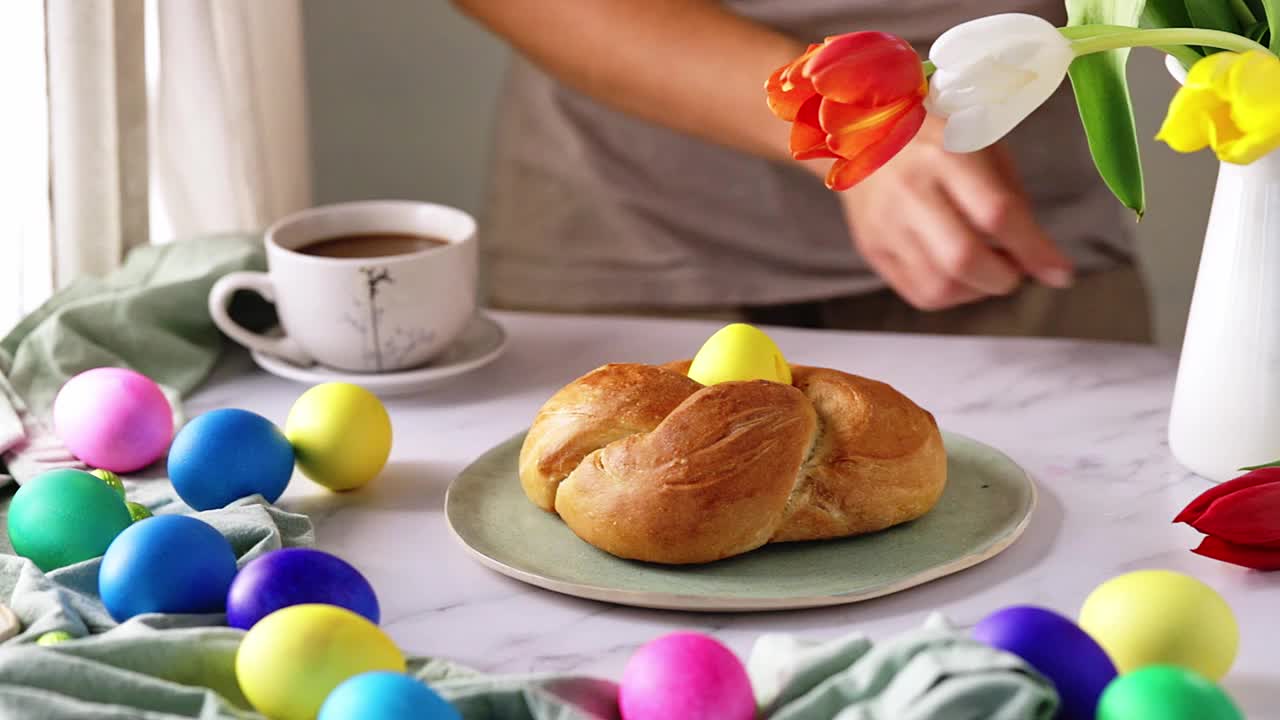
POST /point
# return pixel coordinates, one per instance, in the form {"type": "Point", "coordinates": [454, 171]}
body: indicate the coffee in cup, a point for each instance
{"type": "Point", "coordinates": [371, 245]}
{"type": "Point", "coordinates": [370, 286]}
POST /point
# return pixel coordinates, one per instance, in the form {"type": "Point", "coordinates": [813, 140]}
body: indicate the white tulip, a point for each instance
{"type": "Point", "coordinates": [992, 73]}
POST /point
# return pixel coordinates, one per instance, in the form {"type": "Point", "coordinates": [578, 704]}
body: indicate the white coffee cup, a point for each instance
{"type": "Point", "coordinates": [361, 314]}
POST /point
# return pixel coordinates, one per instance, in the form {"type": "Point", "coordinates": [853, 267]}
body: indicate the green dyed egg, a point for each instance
{"type": "Point", "coordinates": [1166, 692]}
{"type": "Point", "coordinates": [138, 511]}
{"type": "Point", "coordinates": [109, 478]}
{"type": "Point", "coordinates": [61, 517]}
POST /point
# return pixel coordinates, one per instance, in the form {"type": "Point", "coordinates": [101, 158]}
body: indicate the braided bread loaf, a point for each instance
{"type": "Point", "coordinates": [647, 464]}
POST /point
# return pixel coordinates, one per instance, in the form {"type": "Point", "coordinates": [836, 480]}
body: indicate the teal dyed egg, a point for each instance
{"type": "Point", "coordinates": [382, 695]}
{"type": "Point", "coordinates": [62, 517]}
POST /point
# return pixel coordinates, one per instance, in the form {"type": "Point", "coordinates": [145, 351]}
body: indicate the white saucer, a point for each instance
{"type": "Point", "coordinates": [481, 343]}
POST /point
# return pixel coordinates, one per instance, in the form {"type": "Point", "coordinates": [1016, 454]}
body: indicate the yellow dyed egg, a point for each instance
{"type": "Point", "coordinates": [341, 435]}
{"type": "Point", "coordinates": [1161, 617]}
{"type": "Point", "coordinates": [291, 660]}
{"type": "Point", "coordinates": [739, 352]}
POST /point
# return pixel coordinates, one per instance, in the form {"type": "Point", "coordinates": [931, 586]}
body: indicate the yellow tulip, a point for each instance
{"type": "Point", "coordinates": [1230, 102]}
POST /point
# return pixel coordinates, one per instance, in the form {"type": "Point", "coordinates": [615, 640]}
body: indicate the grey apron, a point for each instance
{"type": "Point", "coordinates": [590, 208]}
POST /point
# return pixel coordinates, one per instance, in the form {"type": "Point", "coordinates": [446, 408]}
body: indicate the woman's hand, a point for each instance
{"type": "Point", "coordinates": [945, 229]}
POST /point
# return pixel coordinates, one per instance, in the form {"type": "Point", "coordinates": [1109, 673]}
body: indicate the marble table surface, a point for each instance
{"type": "Point", "coordinates": [1087, 420]}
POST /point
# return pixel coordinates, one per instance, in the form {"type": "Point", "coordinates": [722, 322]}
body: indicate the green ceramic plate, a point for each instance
{"type": "Point", "coordinates": [986, 506]}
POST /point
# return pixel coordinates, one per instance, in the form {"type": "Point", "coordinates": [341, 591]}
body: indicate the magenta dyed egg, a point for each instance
{"type": "Point", "coordinates": [685, 675]}
{"type": "Point", "coordinates": [114, 419]}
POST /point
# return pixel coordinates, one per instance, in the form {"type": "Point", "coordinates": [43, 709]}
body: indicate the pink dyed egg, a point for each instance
{"type": "Point", "coordinates": [685, 676]}
{"type": "Point", "coordinates": [114, 419]}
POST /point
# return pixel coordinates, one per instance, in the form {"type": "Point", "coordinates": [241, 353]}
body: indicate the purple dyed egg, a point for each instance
{"type": "Point", "coordinates": [297, 576]}
{"type": "Point", "coordinates": [1055, 646]}
{"type": "Point", "coordinates": [688, 676]}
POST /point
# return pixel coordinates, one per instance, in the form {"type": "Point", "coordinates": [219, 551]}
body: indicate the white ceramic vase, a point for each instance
{"type": "Point", "coordinates": [1226, 401]}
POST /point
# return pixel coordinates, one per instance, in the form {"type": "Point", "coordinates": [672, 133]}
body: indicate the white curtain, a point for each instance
{"type": "Point", "coordinates": [228, 114]}
{"type": "Point", "coordinates": [97, 134]}
{"type": "Point", "coordinates": [26, 261]}
{"type": "Point", "coordinates": [164, 118]}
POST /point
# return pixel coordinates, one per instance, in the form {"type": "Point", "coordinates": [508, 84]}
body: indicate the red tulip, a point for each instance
{"type": "Point", "coordinates": [1241, 518]}
{"type": "Point", "coordinates": [1258, 558]}
{"type": "Point", "coordinates": [856, 98]}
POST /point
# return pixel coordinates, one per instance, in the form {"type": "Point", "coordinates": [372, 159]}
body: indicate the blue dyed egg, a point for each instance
{"type": "Point", "coordinates": [297, 576]}
{"type": "Point", "coordinates": [224, 455]}
{"type": "Point", "coordinates": [1055, 646]}
{"type": "Point", "coordinates": [385, 696]}
{"type": "Point", "coordinates": [166, 564]}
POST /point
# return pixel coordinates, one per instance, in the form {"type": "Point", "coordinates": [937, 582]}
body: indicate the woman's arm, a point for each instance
{"type": "Point", "coordinates": [690, 65]}
{"type": "Point", "coordinates": [942, 229]}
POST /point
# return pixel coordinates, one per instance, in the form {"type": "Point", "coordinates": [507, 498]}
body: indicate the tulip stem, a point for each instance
{"type": "Point", "coordinates": [1086, 39]}
{"type": "Point", "coordinates": [1183, 53]}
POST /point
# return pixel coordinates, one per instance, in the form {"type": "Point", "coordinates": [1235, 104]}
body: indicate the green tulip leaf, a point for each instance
{"type": "Point", "coordinates": [1165, 14]}
{"type": "Point", "coordinates": [1213, 15]}
{"type": "Point", "coordinates": [1172, 14]}
{"type": "Point", "coordinates": [1243, 13]}
{"type": "Point", "coordinates": [1271, 8]}
{"type": "Point", "coordinates": [1102, 95]}
{"type": "Point", "coordinates": [1251, 468]}
{"type": "Point", "coordinates": [1258, 33]}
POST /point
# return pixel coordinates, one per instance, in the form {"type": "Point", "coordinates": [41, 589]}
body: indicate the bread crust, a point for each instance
{"type": "Point", "coordinates": [607, 404]}
{"type": "Point", "coordinates": [647, 464]}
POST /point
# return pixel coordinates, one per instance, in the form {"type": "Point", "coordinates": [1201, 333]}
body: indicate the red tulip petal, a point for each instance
{"type": "Point", "coordinates": [817, 153]}
{"type": "Point", "coordinates": [793, 73]}
{"type": "Point", "coordinates": [1236, 554]}
{"type": "Point", "coordinates": [1249, 516]}
{"type": "Point", "coordinates": [853, 129]}
{"type": "Point", "coordinates": [866, 68]}
{"type": "Point", "coordinates": [1254, 478]}
{"type": "Point", "coordinates": [808, 139]}
{"type": "Point", "coordinates": [843, 175]}
{"type": "Point", "coordinates": [787, 90]}
{"type": "Point", "coordinates": [786, 103]}
{"type": "Point", "coordinates": [847, 172]}
{"type": "Point", "coordinates": [800, 150]}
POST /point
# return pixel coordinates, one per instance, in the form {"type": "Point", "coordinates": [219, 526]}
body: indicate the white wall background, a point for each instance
{"type": "Point", "coordinates": [402, 95]}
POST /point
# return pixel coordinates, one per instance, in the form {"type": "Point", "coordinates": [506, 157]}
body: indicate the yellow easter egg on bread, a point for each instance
{"type": "Point", "coordinates": [341, 435]}
{"type": "Point", "coordinates": [739, 352]}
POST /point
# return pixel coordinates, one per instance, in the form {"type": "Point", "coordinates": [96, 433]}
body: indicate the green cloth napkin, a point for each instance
{"type": "Point", "coordinates": [152, 316]}
{"type": "Point", "coordinates": [183, 666]}
{"type": "Point", "coordinates": [151, 663]}
{"type": "Point", "coordinates": [931, 673]}
{"type": "Point", "coordinates": [169, 667]}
